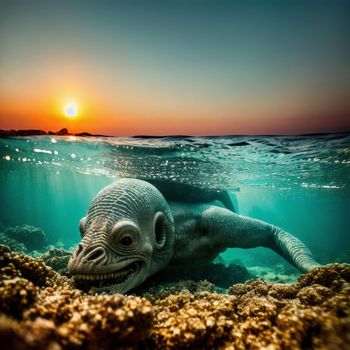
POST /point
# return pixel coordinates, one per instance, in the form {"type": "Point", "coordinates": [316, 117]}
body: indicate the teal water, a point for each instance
{"type": "Point", "coordinates": [301, 184]}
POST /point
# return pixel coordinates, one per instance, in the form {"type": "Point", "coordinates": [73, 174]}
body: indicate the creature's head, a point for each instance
{"type": "Point", "coordinates": [127, 236]}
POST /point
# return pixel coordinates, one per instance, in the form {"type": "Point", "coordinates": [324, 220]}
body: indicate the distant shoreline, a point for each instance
{"type": "Point", "coordinates": [38, 132]}
{"type": "Point", "coordinates": [65, 132]}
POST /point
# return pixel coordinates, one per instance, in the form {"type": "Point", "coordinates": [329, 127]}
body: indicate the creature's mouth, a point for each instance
{"type": "Point", "coordinates": [86, 281]}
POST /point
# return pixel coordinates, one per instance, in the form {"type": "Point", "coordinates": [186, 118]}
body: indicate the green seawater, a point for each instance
{"type": "Point", "coordinates": [300, 183]}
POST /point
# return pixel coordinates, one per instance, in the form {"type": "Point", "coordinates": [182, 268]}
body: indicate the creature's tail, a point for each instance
{"type": "Point", "coordinates": [292, 249]}
{"type": "Point", "coordinates": [244, 232]}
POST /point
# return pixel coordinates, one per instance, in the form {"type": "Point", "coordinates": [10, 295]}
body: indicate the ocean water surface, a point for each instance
{"type": "Point", "coordinates": [300, 183]}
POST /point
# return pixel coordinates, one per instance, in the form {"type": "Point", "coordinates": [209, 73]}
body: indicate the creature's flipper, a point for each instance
{"type": "Point", "coordinates": [180, 192]}
{"type": "Point", "coordinates": [229, 201]}
{"type": "Point", "coordinates": [239, 231]}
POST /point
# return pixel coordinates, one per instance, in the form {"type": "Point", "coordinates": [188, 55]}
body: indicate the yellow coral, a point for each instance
{"type": "Point", "coordinates": [313, 313]}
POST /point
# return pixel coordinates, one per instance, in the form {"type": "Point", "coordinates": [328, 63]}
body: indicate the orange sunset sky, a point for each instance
{"type": "Point", "coordinates": [175, 67]}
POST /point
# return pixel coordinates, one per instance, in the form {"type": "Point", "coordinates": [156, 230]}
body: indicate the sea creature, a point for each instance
{"type": "Point", "coordinates": [134, 229]}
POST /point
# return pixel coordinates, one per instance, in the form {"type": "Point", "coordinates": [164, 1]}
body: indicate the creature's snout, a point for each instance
{"type": "Point", "coordinates": [86, 257]}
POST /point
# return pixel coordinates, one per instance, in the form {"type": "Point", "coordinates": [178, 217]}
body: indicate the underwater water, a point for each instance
{"type": "Point", "coordinates": [300, 183]}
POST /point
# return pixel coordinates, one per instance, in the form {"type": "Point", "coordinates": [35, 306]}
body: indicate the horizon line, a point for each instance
{"type": "Point", "coordinates": [61, 132]}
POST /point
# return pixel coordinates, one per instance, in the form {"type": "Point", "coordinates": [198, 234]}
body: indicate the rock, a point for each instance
{"type": "Point", "coordinates": [29, 132]}
{"type": "Point", "coordinates": [86, 134]}
{"type": "Point", "coordinates": [32, 237]}
{"type": "Point", "coordinates": [63, 131]}
{"type": "Point", "coordinates": [12, 243]}
{"type": "Point", "coordinates": [57, 258]}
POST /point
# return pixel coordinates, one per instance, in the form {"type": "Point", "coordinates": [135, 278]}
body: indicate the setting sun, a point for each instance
{"type": "Point", "coordinates": [70, 110]}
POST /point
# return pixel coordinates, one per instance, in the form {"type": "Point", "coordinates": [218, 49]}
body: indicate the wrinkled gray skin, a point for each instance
{"type": "Point", "coordinates": [131, 232]}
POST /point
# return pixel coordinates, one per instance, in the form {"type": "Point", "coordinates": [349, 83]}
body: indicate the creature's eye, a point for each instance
{"type": "Point", "coordinates": [125, 235]}
{"type": "Point", "coordinates": [126, 240]}
{"type": "Point", "coordinates": [160, 229]}
{"type": "Point", "coordinates": [82, 225]}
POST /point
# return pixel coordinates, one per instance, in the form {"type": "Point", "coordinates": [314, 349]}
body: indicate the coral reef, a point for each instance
{"type": "Point", "coordinates": [277, 273]}
{"type": "Point", "coordinates": [21, 278]}
{"type": "Point", "coordinates": [50, 313]}
{"type": "Point", "coordinates": [39, 309]}
{"type": "Point", "coordinates": [164, 290]}
{"type": "Point", "coordinates": [218, 274]}
{"type": "Point", "coordinates": [16, 293]}
{"type": "Point", "coordinates": [197, 321]}
{"type": "Point", "coordinates": [32, 237]}
{"type": "Point", "coordinates": [57, 258]}
{"type": "Point", "coordinates": [12, 243]}
{"type": "Point", "coordinates": [313, 313]}
{"type": "Point", "coordinates": [72, 319]}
